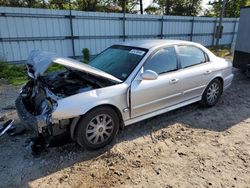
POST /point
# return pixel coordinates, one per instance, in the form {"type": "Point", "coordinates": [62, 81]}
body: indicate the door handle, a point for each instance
{"type": "Point", "coordinates": [174, 81]}
{"type": "Point", "coordinates": [208, 72]}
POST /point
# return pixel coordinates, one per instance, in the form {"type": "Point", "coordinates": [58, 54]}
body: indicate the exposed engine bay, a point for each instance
{"type": "Point", "coordinates": [67, 83]}
{"type": "Point", "coordinates": [40, 94]}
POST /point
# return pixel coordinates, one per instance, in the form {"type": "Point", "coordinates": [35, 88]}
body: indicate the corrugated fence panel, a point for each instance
{"type": "Point", "coordinates": [176, 25]}
{"type": "Point", "coordinates": [25, 29]}
{"type": "Point", "coordinates": [203, 30]}
{"type": "Point", "coordinates": [33, 29]}
{"type": "Point", "coordinates": [142, 26]}
{"type": "Point", "coordinates": [228, 29]}
{"type": "Point", "coordinates": [96, 30]}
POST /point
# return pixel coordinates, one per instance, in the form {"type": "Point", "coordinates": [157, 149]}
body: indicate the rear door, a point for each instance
{"type": "Point", "coordinates": [152, 95]}
{"type": "Point", "coordinates": [196, 71]}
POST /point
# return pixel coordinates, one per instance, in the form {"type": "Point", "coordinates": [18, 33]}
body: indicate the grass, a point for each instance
{"type": "Point", "coordinates": [54, 67]}
{"type": "Point", "coordinates": [223, 52]}
{"type": "Point", "coordinates": [14, 74]}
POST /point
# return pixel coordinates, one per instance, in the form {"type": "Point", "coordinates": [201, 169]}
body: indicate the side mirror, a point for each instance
{"type": "Point", "coordinates": [149, 75]}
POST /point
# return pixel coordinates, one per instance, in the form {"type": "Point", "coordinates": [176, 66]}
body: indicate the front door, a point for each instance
{"type": "Point", "coordinates": [152, 95]}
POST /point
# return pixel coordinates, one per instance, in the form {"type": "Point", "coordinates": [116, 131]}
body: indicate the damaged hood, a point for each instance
{"type": "Point", "coordinates": [38, 62]}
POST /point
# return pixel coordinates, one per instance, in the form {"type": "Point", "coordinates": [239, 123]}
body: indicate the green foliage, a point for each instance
{"type": "Point", "coordinates": [232, 8]}
{"type": "Point", "coordinates": [14, 74]}
{"type": "Point", "coordinates": [167, 7]}
{"type": "Point", "coordinates": [84, 5]}
{"type": "Point", "coordinates": [86, 55]}
{"type": "Point", "coordinates": [153, 10]}
{"type": "Point", "coordinates": [177, 7]}
{"type": "Point", "coordinates": [54, 67]}
{"type": "Point", "coordinates": [24, 3]}
{"type": "Point", "coordinates": [58, 4]}
{"type": "Point", "coordinates": [223, 51]}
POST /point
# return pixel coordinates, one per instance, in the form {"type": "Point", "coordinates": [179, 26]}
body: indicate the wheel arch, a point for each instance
{"type": "Point", "coordinates": [221, 80]}
{"type": "Point", "coordinates": [218, 77]}
{"type": "Point", "coordinates": [75, 120]}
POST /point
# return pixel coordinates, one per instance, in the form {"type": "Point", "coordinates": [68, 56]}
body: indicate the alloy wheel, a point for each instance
{"type": "Point", "coordinates": [213, 92]}
{"type": "Point", "coordinates": [99, 129]}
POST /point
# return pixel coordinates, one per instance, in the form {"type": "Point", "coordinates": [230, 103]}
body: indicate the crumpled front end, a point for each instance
{"type": "Point", "coordinates": [38, 123]}
{"type": "Point", "coordinates": [40, 98]}
{"type": "Point", "coordinates": [34, 107]}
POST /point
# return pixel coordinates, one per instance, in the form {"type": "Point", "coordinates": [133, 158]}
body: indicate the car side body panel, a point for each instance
{"type": "Point", "coordinates": [81, 103]}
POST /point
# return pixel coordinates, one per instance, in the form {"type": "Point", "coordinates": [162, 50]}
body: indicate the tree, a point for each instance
{"type": "Point", "coordinates": [24, 3]}
{"type": "Point", "coordinates": [58, 4]}
{"type": "Point", "coordinates": [34, 3]}
{"type": "Point", "coordinates": [84, 5]}
{"type": "Point", "coordinates": [11, 3]}
{"type": "Point", "coordinates": [232, 8]}
{"type": "Point", "coordinates": [176, 7]}
{"type": "Point", "coordinates": [130, 5]}
{"type": "Point", "coordinates": [151, 9]}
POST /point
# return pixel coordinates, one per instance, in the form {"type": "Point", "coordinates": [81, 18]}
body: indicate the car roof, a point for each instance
{"type": "Point", "coordinates": [154, 43]}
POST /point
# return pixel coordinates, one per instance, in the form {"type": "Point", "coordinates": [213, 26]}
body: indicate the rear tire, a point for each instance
{"type": "Point", "coordinates": [97, 128]}
{"type": "Point", "coordinates": [212, 93]}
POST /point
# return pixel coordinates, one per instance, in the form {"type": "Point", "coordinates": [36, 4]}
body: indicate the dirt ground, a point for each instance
{"type": "Point", "coordinates": [189, 147]}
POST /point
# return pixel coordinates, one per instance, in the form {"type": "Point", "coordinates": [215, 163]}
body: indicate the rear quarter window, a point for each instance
{"type": "Point", "coordinates": [190, 56]}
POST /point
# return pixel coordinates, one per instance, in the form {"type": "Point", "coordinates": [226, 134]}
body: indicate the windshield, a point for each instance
{"type": "Point", "coordinates": [119, 61]}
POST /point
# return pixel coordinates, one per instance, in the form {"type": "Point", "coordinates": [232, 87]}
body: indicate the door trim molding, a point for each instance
{"type": "Point", "coordinates": [161, 111]}
{"type": "Point", "coordinates": [155, 101]}
{"type": "Point", "coordinates": [193, 89]}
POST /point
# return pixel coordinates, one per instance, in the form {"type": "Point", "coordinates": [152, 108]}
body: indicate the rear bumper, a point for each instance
{"type": "Point", "coordinates": [36, 123]}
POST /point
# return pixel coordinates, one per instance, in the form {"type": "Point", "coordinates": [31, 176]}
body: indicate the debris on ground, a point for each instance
{"type": "Point", "coordinates": [5, 127]}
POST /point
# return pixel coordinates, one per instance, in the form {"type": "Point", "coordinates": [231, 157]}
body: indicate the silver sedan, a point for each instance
{"type": "Point", "coordinates": [124, 84]}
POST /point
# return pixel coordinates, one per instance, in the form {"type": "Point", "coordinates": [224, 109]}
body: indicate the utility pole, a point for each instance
{"type": "Point", "coordinates": [219, 30]}
{"type": "Point", "coordinates": [141, 7]}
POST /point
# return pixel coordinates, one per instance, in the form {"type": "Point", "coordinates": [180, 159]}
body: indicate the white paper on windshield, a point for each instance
{"type": "Point", "coordinates": [137, 52]}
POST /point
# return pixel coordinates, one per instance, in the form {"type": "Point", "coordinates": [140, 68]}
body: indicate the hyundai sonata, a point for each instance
{"type": "Point", "coordinates": [124, 84]}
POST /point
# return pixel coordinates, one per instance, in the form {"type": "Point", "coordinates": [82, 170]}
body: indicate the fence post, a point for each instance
{"type": "Point", "coordinates": [72, 32]}
{"type": "Point", "coordinates": [192, 29]}
{"type": "Point", "coordinates": [162, 20]}
{"type": "Point", "coordinates": [215, 24]}
{"type": "Point", "coordinates": [123, 20]}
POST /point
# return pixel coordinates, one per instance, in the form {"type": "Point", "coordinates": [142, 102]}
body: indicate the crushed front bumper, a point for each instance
{"type": "Point", "coordinates": [38, 123]}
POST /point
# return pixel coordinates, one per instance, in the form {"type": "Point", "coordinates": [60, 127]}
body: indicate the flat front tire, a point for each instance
{"type": "Point", "coordinates": [212, 93]}
{"type": "Point", "coordinates": [97, 128]}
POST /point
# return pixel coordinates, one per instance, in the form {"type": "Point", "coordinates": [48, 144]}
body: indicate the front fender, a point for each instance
{"type": "Point", "coordinates": [81, 103]}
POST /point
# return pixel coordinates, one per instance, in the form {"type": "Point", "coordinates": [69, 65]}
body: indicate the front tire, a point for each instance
{"type": "Point", "coordinates": [97, 128]}
{"type": "Point", "coordinates": [212, 93]}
